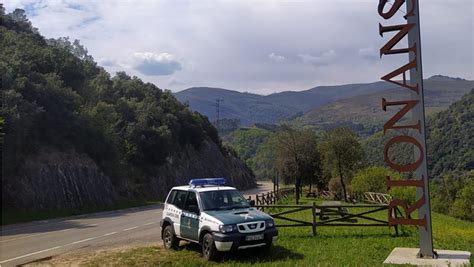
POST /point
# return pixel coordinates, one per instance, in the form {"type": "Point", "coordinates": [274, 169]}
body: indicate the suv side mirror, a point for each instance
{"type": "Point", "coordinates": [252, 203]}
{"type": "Point", "coordinates": [194, 209]}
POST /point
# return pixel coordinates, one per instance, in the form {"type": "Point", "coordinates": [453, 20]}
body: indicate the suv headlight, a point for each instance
{"type": "Point", "coordinates": [270, 223]}
{"type": "Point", "coordinates": [227, 228]}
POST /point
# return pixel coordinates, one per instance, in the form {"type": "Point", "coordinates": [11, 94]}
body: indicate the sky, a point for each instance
{"type": "Point", "coordinates": [254, 46]}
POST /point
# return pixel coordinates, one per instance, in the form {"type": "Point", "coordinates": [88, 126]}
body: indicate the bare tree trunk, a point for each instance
{"type": "Point", "coordinates": [342, 182]}
{"type": "Point", "coordinates": [298, 190]}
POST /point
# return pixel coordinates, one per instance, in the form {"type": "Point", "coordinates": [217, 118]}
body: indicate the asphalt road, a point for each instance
{"type": "Point", "coordinates": [24, 243]}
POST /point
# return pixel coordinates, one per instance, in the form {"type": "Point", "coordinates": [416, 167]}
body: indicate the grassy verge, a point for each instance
{"type": "Point", "coordinates": [11, 216]}
{"type": "Point", "coordinates": [332, 246]}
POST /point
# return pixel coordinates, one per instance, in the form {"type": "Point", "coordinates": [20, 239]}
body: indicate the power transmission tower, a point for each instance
{"type": "Point", "coordinates": [218, 105]}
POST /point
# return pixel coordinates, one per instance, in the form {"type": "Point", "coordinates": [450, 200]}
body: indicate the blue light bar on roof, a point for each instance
{"type": "Point", "coordinates": [207, 181]}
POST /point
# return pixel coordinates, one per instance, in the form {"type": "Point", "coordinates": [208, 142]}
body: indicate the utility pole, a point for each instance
{"type": "Point", "coordinates": [218, 102]}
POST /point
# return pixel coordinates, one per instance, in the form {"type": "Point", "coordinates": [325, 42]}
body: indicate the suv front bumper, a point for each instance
{"type": "Point", "coordinates": [234, 241]}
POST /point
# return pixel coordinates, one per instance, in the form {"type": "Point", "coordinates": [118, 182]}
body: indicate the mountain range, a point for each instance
{"type": "Point", "coordinates": [253, 108]}
{"type": "Point", "coordinates": [356, 105]}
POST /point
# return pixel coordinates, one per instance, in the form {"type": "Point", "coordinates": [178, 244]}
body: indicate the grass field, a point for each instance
{"type": "Point", "coordinates": [11, 216]}
{"type": "Point", "coordinates": [332, 246]}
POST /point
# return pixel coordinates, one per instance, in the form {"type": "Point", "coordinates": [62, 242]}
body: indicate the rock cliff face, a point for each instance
{"type": "Point", "coordinates": [57, 180]}
{"type": "Point", "coordinates": [207, 162]}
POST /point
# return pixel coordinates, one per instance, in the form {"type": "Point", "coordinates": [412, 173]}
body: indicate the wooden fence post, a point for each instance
{"type": "Point", "coordinates": [313, 209]}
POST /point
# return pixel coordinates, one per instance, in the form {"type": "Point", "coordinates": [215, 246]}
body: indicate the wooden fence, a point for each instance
{"type": "Point", "coordinates": [328, 195]}
{"type": "Point", "coordinates": [373, 197]}
{"type": "Point", "coordinates": [330, 215]}
{"type": "Point", "coordinates": [367, 197]}
{"type": "Point", "coordinates": [273, 197]}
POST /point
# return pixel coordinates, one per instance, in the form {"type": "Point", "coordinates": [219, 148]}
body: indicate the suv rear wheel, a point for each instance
{"type": "Point", "coordinates": [170, 241]}
{"type": "Point", "coordinates": [209, 250]}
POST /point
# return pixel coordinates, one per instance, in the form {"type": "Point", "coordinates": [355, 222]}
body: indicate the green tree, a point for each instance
{"type": "Point", "coordinates": [247, 141]}
{"type": "Point", "coordinates": [342, 154]}
{"type": "Point", "coordinates": [54, 95]}
{"type": "Point", "coordinates": [263, 163]}
{"type": "Point", "coordinates": [463, 206]}
{"type": "Point", "coordinates": [371, 179]}
{"type": "Point", "coordinates": [297, 157]}
{"type": "Point", "coordinates": [452, 194]}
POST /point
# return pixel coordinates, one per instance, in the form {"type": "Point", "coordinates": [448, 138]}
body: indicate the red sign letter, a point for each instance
{"type": "Point", "coordinates": [399, 71]}
{"type": "Point", "coordinates": [408, 167]}
{"type": "Point", "coordinates": [390, 124]}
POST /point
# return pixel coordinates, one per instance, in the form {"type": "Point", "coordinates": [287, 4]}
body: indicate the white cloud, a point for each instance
{"type": "Point", "coordinates": [215, 46]}
{"type": "Point", "coordinates": [152, 64]}
{"type": "Point", "coordinates": [324, 59]}
{"type": "Point", "coordinates": [276, 58]}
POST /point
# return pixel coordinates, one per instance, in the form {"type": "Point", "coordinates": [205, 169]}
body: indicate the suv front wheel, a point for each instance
{"type": "Point", "coordinates": [170, 241]}
{"type": "Point", "coordinates": [209, 250]}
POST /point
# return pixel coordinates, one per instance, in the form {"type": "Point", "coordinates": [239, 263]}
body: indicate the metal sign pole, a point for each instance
{"type": "Point", "coordinates": [418, 113]}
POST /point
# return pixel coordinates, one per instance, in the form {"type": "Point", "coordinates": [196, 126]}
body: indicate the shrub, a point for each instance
{"type": "Point", "coordinates": [373, 179]}
{"type": "Point", "coordinates": [463, 206]}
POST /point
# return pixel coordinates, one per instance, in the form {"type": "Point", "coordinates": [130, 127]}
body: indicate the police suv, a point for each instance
{"type": "Point", "coordinates": [216, 216]}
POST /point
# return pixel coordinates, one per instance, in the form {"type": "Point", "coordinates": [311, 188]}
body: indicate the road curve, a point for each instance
{"type": "Point", "coordinates": [24, 243]}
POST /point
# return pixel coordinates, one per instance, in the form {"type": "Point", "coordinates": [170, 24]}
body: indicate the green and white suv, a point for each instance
{"type": "Point", "coordinates": [216, 216]}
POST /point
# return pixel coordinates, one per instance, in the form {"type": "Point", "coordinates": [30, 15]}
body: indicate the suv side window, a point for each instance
{"type": "Point", "coordinates": [171, 197]}
{"type": "Point", "coordinates": [180, 198]}
{"type": "Point", "coordinates": [191, 203]}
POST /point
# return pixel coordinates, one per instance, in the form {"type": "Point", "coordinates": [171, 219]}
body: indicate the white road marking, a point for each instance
{"type": "Point", "coordinates": [57, 247]}
{"type": "Point", "coordinates": [150, 223]}
{"type": "Point", "coordinates": [131, 228]}
{"type": "Point", "coordinates": [30, 254]}
{"type": "Point", "coordinates": [53, 248]}
{"type": "Point", "coordinates": [22, 237]}
{"type": "Point", "coordinates": [83, 240]}
{"type": "Point", "coordinates": [111, 233]}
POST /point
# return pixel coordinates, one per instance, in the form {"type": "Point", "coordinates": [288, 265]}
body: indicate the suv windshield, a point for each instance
{"type": "Point", "coordinates": [223, 199]}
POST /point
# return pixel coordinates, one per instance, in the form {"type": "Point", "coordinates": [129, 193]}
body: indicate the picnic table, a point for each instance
{"type": "Point", "coordinates": [331, 208]}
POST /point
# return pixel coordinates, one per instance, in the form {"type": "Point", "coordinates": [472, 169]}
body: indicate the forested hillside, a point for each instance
{"type": "Point", "coordinates": [451, 137]}
{"type": "Point", "coordinates": [75, 136]}
{"type": "Point", "coordinates": [363, 113]}
{"type": "Point", "coordinates": [450, 140]}
{"type": "Point", "coordinates": [450, 158]}
{"type": "Point", "coordinates": [273, 108]}
{"type": "Point", "coordinates": [354, 105]}
{"type": "Point", "coordinates": [247, 108]}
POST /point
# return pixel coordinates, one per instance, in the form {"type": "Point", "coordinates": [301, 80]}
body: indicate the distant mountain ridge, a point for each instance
{"type": "Point", "coordinates": [253, 108]}
{"type": "Point", "coordinates": [364, 112]}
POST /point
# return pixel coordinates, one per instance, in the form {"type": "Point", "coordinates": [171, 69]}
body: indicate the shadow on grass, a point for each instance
{"type": "Point", "coordinates": [350, 235]}
{"type": "Point", "coordinates": [254, 255]}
